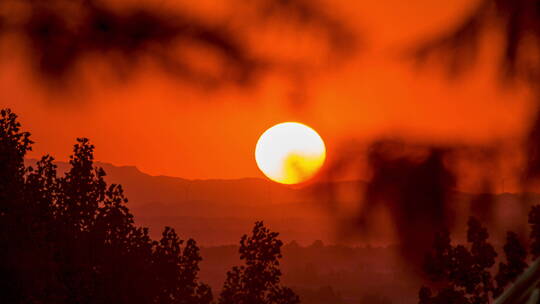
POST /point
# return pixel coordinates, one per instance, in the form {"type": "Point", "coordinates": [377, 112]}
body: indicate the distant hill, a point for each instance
{"type": "Point", "coordinates": [216, 212]}
{"type": "Point", "coordinates": [159, 195]}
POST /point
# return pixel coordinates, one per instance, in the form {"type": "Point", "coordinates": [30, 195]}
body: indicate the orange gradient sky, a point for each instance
{"type": "Point", "coordinates": [164, 126]}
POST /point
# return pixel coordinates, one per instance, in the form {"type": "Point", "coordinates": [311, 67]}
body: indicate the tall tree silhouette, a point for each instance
{"type": "Point", "coordinates": [81, 191]}
{"type": "Point", "coordinates": [257, 282]}
{"type": "Point", "coordinates": [24, 267]}
{"type": "Point", "coordinates": [72, 239]}
{"type": "Point", "coordinates": [18, 218]}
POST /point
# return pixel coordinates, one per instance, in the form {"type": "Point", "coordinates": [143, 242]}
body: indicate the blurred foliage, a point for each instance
{"type": "Point", "coordinates": [61, 35]}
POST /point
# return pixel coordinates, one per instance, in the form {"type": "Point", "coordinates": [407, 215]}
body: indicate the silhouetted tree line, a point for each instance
{"type": "Point", "coordinates": [72, 239]}
{"type": "Point", "coordinates": [467, 274]}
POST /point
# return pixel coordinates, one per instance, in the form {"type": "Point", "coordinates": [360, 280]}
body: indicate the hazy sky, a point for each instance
{"type": "Point", "coordinates": [164, 126]}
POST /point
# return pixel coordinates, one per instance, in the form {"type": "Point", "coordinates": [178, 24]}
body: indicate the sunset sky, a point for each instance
{"type": "Point", "coordinates": [218, 151]}
{"type": "Point", "coordinates": [166, 126]}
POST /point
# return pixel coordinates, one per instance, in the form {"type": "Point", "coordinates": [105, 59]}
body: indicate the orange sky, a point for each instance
{"type": "Point", "coordinates": [166, 127]}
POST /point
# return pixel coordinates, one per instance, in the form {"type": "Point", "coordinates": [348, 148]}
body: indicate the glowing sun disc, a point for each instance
{"type": "Point", "coordinates": [290, 153]}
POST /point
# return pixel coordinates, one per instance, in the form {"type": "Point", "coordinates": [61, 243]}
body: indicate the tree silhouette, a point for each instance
{"type": "Point", "coordinates": [258, 281]}
{"type": "Point", "coordinates": [17, 243]}
{"type": "Point", "coordinates": [72, 239]}
{"type": "Point", "coordinates": [483, 258]}
{"type": "Point", "coordinates": [177, 270]}
{"type": "Point", "coordinates": [534, 222]}
{"type": "Point", "coordinates": [515, 262]}
{"type": "Point", "coordinates": [462, 273]}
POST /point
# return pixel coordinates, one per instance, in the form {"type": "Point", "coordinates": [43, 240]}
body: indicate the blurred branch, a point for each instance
{"type": "Point", "coordinates": [60, 34]}
{"type": "Point", "coordinates": [517, 20]}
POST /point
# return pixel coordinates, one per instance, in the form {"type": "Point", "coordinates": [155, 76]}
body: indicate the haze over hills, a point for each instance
{"type": "Point", "coordinates": [217, 212]}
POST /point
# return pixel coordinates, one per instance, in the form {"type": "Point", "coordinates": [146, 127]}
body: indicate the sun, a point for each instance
{"type": "Point", "coordinates": [290, 153]}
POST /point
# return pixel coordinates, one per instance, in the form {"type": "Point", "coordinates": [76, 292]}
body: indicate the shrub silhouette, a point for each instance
{"type": "Point", "coordinates": [72, 239]}
{"type": "Point", "coordinates": [258, 281]}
